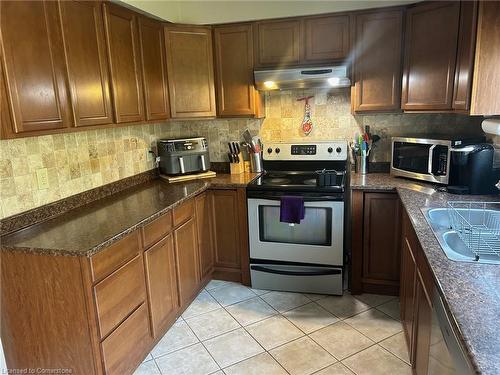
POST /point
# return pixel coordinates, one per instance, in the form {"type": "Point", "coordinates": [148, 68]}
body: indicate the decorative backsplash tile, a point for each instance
{"type": "Point", "coordinates": [80, 161]}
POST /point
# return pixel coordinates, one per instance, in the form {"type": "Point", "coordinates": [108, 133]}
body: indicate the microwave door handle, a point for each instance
{"type": "Point", "coordinates": [203, 164]}
{"type": "Point", "coordinates": [181, 164]}
{"type": "Point", "coordinates": [429, 162]}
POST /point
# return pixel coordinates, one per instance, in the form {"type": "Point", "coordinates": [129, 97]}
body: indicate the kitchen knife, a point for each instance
{"type": "Point", "coordinates": [236, 146]}
{"type": "Point", "coordinates": [230, 155]}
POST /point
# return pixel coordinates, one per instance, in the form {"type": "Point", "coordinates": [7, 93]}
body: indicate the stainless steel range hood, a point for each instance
{"type": "Point", "coordinates": [302, 78]}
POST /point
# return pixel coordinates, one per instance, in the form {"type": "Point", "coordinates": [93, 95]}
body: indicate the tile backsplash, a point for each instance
{"type": "Point", "coordinates": [80, 161]}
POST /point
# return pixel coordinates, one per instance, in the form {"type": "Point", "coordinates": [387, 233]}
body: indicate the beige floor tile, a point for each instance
{"type": "Point", "coordinates": [214, 284]}
{"type": "Point", "coordinates": [391, 308]}
{"type": "Point", "coordinates": [274, 331]}
{"type": "Point", "coordinates": [232, 293]}
{"type": "Point", "coordinates": [202, 304]}
{"type": "Point", "coordinates": [284, 301]}
{"type": "Point", "coordinates": [260, 292]}
{"type": "Point", "coordinates": [302, 356]}
{"type": "Point", "coordinates": [336, 369]}
{"type": "Point", "coordinates": [233, 347]}
{"type": "Point", "coordinates": [376, 361]}
{"type": "Point", "coordinates": [177, 337]}
{"type": "Point", "coordinates": [343, 306]}
{"type": "Point", "coordinates": [251, 311]}
{"type": "Point", "coordinates": [147, 368]}
{"type": "Point", "coordinates": [262, 364]}
{"type": "Point", "coordinates": [211, 324]}
{"type": "Point", "coordinates": [375, 324]}
{"type": "Point", "coordinates": [341, 340]}
{"type": "Point", "coordinates": [374, 300]}
{"type": "Point", "coordinates": [315, 297]}
{"type": "Point", "coordinates": [193, 360]}
{"type": "Point", "coordinates": [397, 345]}
{"type": "Point", "coordinates": [310, 317]}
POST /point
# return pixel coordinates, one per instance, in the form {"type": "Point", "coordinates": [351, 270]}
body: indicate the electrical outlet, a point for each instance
{"type": "Point", "coordinates": [42, 178]}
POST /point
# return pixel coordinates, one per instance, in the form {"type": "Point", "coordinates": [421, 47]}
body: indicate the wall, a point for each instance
{"type": "Point", "coordinates": [80, 161]}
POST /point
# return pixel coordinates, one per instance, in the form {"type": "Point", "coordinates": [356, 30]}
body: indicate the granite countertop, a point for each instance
{"type": "Point", "coordinates": [470, 291]}
{"type": "Point", "coordinates": [86, 230]}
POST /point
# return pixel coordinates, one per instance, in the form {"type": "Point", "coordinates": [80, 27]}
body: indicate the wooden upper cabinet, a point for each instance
{"type": "Point", "coordinates": [278, 43]}
{"type": "Point", "coordinates": [465, 55]}
{"type": "Point", "coordinates": [234, 75]}
{"type": "Point", "coordinates": [124, 62]}
{"type": "Point", "coordinates": [430, 55]}
{"type": "Point", "coordinates": [485, 94]}
{"type": "Point", "coordinates": [86, 61]}
{"type": "Point", "coordinates": [377, 61]}
{"type": "Point", "coordinates": [190, 71]}
{"type": "Point", "coordinates": [326, 38]}
{"type": "Point", "coordinates": [33, 59]}
{"type": "Point", "coordinates": [154, 69]}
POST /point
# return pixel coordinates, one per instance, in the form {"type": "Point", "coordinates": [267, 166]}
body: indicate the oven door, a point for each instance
{"type": "Point", "coordinates": [318, 239]}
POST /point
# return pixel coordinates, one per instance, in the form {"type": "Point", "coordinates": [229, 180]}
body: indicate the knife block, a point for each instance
{"type": "Point", "coordinates": [237, 168]}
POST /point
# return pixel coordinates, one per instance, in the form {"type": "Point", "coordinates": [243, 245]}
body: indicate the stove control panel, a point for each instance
{"type": "Point", "coordinates": [324, 150]}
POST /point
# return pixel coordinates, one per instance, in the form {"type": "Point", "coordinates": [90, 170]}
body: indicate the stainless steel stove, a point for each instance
{"type": "Point", "coordinates": [306, 257]}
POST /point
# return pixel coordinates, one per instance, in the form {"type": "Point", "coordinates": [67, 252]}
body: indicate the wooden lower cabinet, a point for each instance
{"type": "Point", "coordinates": [376, 239]}
{"type": "Point", "coordinates": [162, 284]}
{"type": "Point", "coordinates": [204, 207]}
{"type": "Point", "coordinates": [408, 292]}
{"type": "Point", "coordinates": [230, 236]}
{"type": "Point", "coordinates": [423, 324]}
{"type": "Point", "coordinates": [186, 254]}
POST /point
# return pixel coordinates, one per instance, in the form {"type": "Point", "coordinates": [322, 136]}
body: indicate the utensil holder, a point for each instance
{"type": "Point", "coordinates": [361, 165]}
{"type": "Point", "coordinates": [256, 162]}
{"type": "Point", "coordinates": [237, 168]}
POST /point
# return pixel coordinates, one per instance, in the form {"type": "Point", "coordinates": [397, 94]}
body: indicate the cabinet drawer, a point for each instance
{"type": "Point", "coordinates": [157, 229]}
{"type": "Point", "coordinates": [124, 349]}
{"type": "Point", "coordinates": [183, 212]}
{"type": "Point", "coordinates": [119, 294]}
{"type": "Point", "coordinates": [108, 260]}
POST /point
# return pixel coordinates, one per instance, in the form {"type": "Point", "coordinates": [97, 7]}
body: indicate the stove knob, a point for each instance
{"type": "Point", "coordinates": [277, 150]}
{"type": "Point", "coordinates": [339, 150]}
{"type": "Point", "coordinates": [269, 150]}
{"type": "Point", "coordinates": [330, 150]}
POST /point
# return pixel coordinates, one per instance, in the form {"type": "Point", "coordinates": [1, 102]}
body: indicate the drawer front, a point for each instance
{"type": "Point", "coordinates": [108, 260]}
{"type": "Point", "coordinates": [119, 294]}
{"type": "Point", "coordinates": [183, 212]}
{"type": "Point", "coordinates": [124, 349]}
{"type": "Point", "coordinates": [157, 229]}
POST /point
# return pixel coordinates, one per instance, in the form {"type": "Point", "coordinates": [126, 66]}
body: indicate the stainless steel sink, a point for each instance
{"type": "Point", "coordinates": [453, 246]}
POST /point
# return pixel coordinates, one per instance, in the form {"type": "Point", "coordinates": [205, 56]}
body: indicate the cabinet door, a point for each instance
{"type": "Point", "coordinates": [154, 69]}
{"type": "Point", "coordinates": [162, 284]}
{"type": "Point", "coordinates": [234, 64]}
{"type": "Point", "coordinates": [124, 62]}
{"type": "Point", "coordinates": [35, 72]}
{"type": "Point", "coordinates": [278, 42]}
{"type": "Point", "coordinates": [465, 55]}
{"type": "Point", "coordinates": [408, 292]}
{"type": "Point", "coordinates": [85, 52]}
{"type": "Point", "coordinates": [377, 64]}
{"type": "Point", "coordinates": [430, 55]}
{"type": "Point", "coordinates": [381, 242]}
{"type": "Point", "coordinates": [326, 38]}
{"type": "Point", "coordinates": [186, 253]}
{"type": "Point", "coordinates": [423, 327]}
{"type": "Point", "coordinates": [226, 229]}
{"type": "Point", "coordinates": [204, 225]}
{"type": "Point", "coordinates": [190, 71]}
{"type": "Point", "coordinates": [6, 126]}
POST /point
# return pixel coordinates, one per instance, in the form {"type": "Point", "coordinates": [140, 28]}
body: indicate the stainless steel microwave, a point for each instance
{"type": "Point", "coordinates": [426, 159]}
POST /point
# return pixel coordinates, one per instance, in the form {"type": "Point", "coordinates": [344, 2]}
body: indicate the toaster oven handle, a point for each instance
{"type": "Point", "coordinates": [203, 164]}
{"type": "Point", "coordinates": [181, 164]}
{"type": "Point", "coordinates": [429, 162]}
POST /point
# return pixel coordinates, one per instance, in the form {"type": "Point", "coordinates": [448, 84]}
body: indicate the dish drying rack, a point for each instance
{"type": "Point", "coordinates": [478, 226]}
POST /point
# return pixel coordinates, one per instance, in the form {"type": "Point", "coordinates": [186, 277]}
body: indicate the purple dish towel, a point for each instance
{"type": "Point", "coordinates": [292, 209]}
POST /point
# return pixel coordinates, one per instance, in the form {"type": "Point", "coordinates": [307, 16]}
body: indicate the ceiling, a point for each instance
{"type": "Point", "coordinates": [213, 11]}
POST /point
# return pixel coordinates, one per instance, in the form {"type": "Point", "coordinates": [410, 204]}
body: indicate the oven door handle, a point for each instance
{"type": "Point", "coordinates": [306, 199]}
{"type": "Point", "coordinates": [329, 271]}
